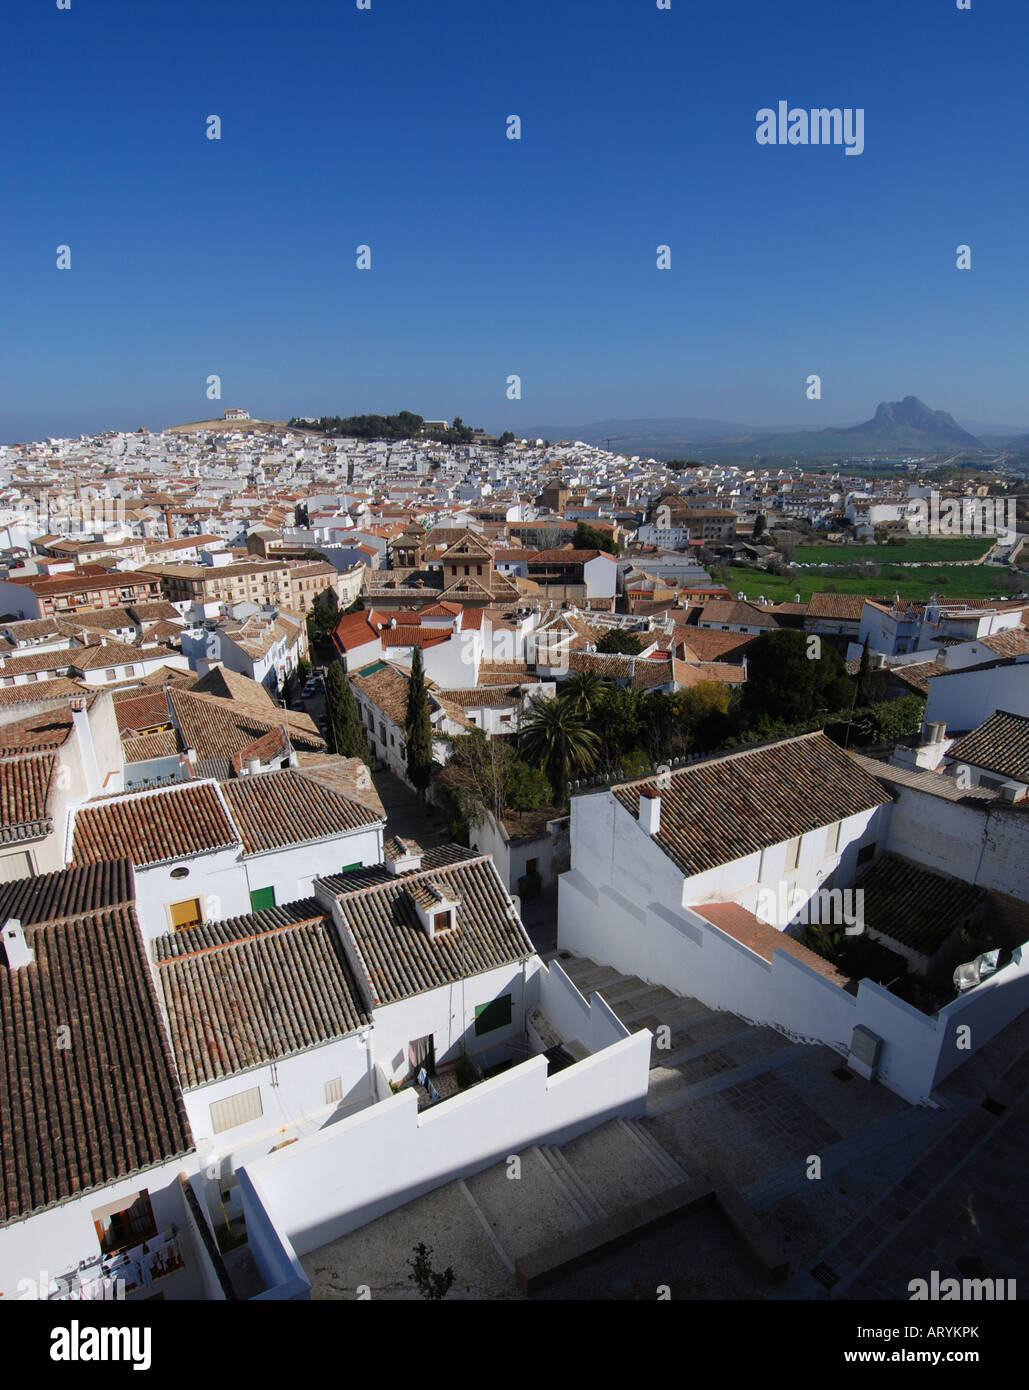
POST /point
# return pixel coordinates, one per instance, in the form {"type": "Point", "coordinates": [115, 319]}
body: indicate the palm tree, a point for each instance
{"type": "Point", "coordinates": [559, 740]}
{"type": "Point", "coordinates": [582, 692]}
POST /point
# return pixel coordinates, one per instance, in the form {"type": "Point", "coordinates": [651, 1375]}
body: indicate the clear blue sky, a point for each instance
{"type": "Point", "coordinates": [492, 256]}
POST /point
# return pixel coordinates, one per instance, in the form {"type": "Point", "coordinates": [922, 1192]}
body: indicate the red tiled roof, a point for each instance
{"type": "Point", "coordinates": [763, 939]}
{"type": "Point", "coordinates": [727, 807]}
{"type": "Point", "coordinates": [153, 827]}
{"type": "Point", "coordinates": [82, 1112]}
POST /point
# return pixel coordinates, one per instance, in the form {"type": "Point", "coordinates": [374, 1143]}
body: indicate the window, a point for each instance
{"type": "Point", "coordinates": [236, 1110]}
{"type": "Point", "coordinates": [334, 1091]}
{"type": "Point", "coordinates": [129, 1221]}
{"type": "Point", "coordinates": [185, 914]}
{"type": "Point", "coordinates": [832, 839]}
{"type": "Point", "coordinates": [260, 898]}
{"type": "Point", "coordinates": [442, 921]}
{"type": "Point", "coordinates": [497, 1014]}
{"type": "Point", "coordinates": [111, 673]}
{"type": "Point", "coordinates": [866, 853]}
{"type": "Point", "coordinates": [532, 866]}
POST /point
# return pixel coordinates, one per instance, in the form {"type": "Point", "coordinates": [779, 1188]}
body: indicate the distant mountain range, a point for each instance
{"type": "Point", "coordinates": [908, 426]}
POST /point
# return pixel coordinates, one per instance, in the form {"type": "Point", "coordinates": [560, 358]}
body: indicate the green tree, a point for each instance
{"type": "Point", "coordinates": [705, 713]}
{"type": "Point", "coordinates": [559, 741]}
{"type": "Point", "coordinates": [345, 734]}
{"type": "Point", "coordinates": [589, 538]}
{"type": "Point", "coordinates": [620, 719]}
{"type": "Point", "coordinates": [760, 526]}
{"type": "Point", "coordinates": [791, 680]}
{"type": "Point", "coordinates": [864, 674]}
{"type": "Point", "coordinates": [583, 691]}
{"type": "Point", "coordinates": [477, 774]}
{"type": "Point", "coordinates": [418, 726]}
{"type": "Point", "coordinates": [429, 1284]}
{"type": "Point", "coordinates": [527, 787]}
{"type": "Point", "coordinates": [618, 641]}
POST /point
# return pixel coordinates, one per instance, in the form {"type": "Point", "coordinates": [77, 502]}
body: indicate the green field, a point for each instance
{"type": "Point", "coordinates": [972, 582]}
{"type": "Point", "coordinates": [916, 550]}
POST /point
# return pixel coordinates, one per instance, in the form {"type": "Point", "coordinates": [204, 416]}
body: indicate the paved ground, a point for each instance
{"type": "Point", "coordinates": [539, 916]}
{"type": "Point", "coordinates": [863, 1191]}
{"type": "Point", "coordinates": [406, 815]}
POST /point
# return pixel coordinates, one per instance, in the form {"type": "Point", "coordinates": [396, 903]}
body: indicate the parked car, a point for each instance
{"type": "Point", "coordinates": [311, 688]}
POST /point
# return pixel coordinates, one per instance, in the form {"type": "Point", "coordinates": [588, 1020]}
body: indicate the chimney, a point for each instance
{"type": "Point", "coordinates": [253, 766]}
{"type": "Point", "coordinates": [87, 750]}
{"type": "Point", "coordinates": [19, 952]}
{"type": "Point", "coordinates": [650, 810]}
{"type": "Point", "coordinates": [403, 856]}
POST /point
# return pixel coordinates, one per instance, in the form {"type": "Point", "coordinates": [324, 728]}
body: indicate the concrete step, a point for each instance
{"type": "Point", "coordinates": [599, 978]}
{"type": "Point", "coordinates": [690, 1022]}
{"type": "Point", "coordinates": [615, 1167]}
{"type": "Point", "coordinates": [656, 1152]}
{"type": "Point", "coordinates": [584, 1195]}
{"type": "Point", "coordinates": [627, 989]}
{"type": "Point", "coordinates": [664, 1083]}
{"type": "Point", "coordinates": [534, 1202]}
{"type": "Point", "coordinates": [655, 999]}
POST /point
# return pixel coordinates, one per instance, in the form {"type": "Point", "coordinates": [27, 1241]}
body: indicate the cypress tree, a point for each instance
{"type": "Point", "coordinates": [345, 735]}
{"type": "Point", "coordinates": [418, 727]}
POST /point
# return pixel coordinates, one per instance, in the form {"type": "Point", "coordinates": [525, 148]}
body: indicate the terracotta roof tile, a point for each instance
{"type": "Point", "coordinates": [398, 955]}
{"type": "Point", "coordinates": [727, 807]}
{"type": "Point", "coordinates": [155, 827]}
{"type": "Point", "coordinates": [1000, 744]}
{"type": "Point", "coordinates": [275, 809]}
{"type": "Point", "coordinates": [254, 989]}
{"type": "Point", "coordinates": [79, 1117]}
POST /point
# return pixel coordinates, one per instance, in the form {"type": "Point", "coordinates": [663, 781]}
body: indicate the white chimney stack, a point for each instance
{"type": "Point", "coordinates": [650, 811]}
{"type": "Point", "coordinates": [19, 952]}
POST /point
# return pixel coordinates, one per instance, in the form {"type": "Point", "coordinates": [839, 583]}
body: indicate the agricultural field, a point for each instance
{"type": "Point", "coordinates": [916, 550]}
{"type": "Point", "coordinates": [917, 582]}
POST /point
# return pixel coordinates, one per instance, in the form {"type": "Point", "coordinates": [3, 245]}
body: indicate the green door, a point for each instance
{"type": "Point", "coordinates": [261, 898]}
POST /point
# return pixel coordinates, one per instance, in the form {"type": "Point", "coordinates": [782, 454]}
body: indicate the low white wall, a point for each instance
{"type": "Point", "coordinates": [292, 1100]}
{"type": "Point", "coordinates": [594, 1024]}
{"type": "Point", "coordinates": [338, 1180]}
{"type": "Point", "coordinates": [274, 1256]}
{"type": "Point", "coordinates": [985, 1010]}
{"type": "Point", "coordinates": [689, 955]}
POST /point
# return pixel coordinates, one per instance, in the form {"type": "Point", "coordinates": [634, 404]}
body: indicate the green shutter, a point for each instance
{"type": "Point", "coordinates": [261, 898]}
{"type": "Point", "coordinates": [347, 867]}
{"type": "Point", "coordinates": [494, 1015]}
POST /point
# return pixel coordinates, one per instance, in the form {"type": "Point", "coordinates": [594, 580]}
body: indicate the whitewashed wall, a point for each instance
{"type": "Point", "coordinates": [292, 871]}
{"type": "Point", "coordinates": [988, 848]}
{"type": "Point", "coordinates": [292, 1100]}
{"type": "Point", "coordinates": [449, 1015]}
{"type": "Point", "coordinates": [965, 698]}
{"type": "Point", "coordinates": [337, 1180]}
{"type": "Point", "coordinates": [56, 1240]}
